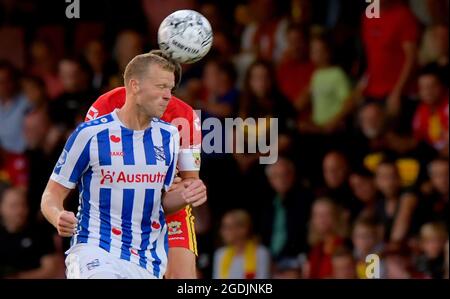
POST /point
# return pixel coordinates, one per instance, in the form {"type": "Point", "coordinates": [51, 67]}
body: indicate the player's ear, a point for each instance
{"type": "Point", "coordinates": [134, 85]}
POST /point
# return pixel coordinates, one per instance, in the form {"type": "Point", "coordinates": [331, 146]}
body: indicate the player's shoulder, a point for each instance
{"type": "Point", "coordinates": [162, 124]}
{"type": "Point", "coordinates": [106, 103]}
{"type": "Point", "coordinates": [117, 93]}
{"type": "Point", "coordinates": [92, 127]}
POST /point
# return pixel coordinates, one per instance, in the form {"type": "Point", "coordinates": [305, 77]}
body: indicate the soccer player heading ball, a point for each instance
{"type": "Point", "coordinates": [122, 161]}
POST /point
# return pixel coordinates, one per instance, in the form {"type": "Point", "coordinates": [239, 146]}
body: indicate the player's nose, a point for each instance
{"type": "Point", "coordinates": [167, 94]}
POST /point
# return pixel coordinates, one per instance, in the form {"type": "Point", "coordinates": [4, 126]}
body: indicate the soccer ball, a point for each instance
{"type": "Point", "coordinates": [185, 36]}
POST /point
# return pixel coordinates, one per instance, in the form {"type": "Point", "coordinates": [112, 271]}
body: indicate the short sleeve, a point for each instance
{"type": "Point", "coordinates": [190, 142]}
{"type": "Point", "coordinates": [175, 148]}
{"type": "Point", "coordinates": [74, 159]}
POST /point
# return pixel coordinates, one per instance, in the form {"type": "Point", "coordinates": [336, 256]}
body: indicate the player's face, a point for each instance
{"type": "Point", "coordinates": [155, 91]}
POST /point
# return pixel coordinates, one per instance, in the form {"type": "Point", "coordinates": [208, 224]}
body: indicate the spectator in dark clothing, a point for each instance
{"type": "Point", "coordinates": [43, 148]}
{"type": "Point", "coordinates": [336, 172]}
{"type": "Point", "coordinates": [433, 237]}
{"type": "Point", "coordinates": [102, 68]}
{"type": "Point", "coordinates": [433, 205]}
{"type": "Point", "coordinates": [25, 251]}
{"type": "Point", "coordinates": [364, 191]}
{"type": "Point", "coordinates": [394, 208]}
{"type": "Point", "coordinates": [285, 217]}
{"type": "Point", "coordinates": [70, 108]}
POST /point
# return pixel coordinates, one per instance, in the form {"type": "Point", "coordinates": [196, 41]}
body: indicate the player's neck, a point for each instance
{"type": "Point", "coordinates": [130, 116]}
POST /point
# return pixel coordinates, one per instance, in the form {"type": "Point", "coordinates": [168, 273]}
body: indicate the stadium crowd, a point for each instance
{"type": "Point", "coordinates": [362, 105]}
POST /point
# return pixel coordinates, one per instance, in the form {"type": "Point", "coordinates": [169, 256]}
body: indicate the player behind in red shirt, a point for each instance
{"type": "Point", "coordinates": [182, 239]}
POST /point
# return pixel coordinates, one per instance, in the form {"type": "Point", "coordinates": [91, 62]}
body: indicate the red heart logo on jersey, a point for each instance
{"type": "Point", "coordinates": [156, 225]}
{"type": "Point", "coordinates": [133, 251]}
{"type": "Point", "coordinates": [114, 138]}
{"type": "Point", "coordinates": [116, 231]}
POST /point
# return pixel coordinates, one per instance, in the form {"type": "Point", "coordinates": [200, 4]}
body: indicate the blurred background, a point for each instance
{"type": "Point", "coordinates": [363, 130]}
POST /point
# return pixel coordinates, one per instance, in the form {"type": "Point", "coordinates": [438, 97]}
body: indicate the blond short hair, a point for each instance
{"type": "Point", "coordinates": [139, 65]}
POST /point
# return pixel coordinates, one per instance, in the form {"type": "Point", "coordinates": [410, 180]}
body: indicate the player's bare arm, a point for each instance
{"type": "Point", "coordinates": [53, 210]}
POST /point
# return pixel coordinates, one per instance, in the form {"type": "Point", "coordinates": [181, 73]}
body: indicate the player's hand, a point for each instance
{"type": "Point", "coordinates": [175, 184]}
{"type": "Point", "coordinates": [66, 224]}
{"type": "Point", "coordinates": [194, 193]}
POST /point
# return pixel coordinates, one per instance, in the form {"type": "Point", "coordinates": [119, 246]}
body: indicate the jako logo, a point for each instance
{"type": "Point", "coordinates": [373, 9]}
{"type": "Point", "coordinates": [122, 177]}
{"type": "Point", "coordinates": [372, 266]}
{"type": "Point", "coordinates": [73, 9]}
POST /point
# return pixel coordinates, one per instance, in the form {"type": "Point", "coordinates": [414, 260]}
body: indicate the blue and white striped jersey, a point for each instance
{"type": "Point", "coordinates": [120, 174]}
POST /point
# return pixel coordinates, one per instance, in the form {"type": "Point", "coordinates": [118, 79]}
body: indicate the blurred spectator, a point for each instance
{"type": "Point", "coordinates": [431, 118]}
{"type": "Point", "coordinates": [242, 257]}
{"type": "Point", "coordinates": [327, 230]}
{"type": "Point", "coordinates": [329, 91]}
{"type": "Point", "coordinates": [219, 96]}
{"type": "Point", "coordinates": [433, 205]}
{"type": "Point", "coordinates": [364, 191]}
{"type": "Point", "coordinates": [13, 106]}
{"type": "Point", "coordinates": [44, 64]}
{"type": "Point", "coordinates": [285, 217]}
{"type": "Point", "coordinates": [261, 98]}
{"type": "Point", "coordinates": [433, 237]}
{"type": "Point", "coordinates": [295, 69]}
{"type": "Point", "coordinates": [13, 169]}
{"type": "Point", "coordinates": [336, 170]}
{"type": "Point", "coordinates": [70, 108]}
{"type": "Point", "coordinates": [264, 35]}
{"type": "Point", "coordinates": [128, 44]}
{"type": "Point", "coordinates": [390, 48]}
{"type": "Point", "coordinates": [377, 138]}
{"type": "Point", "coordinates": [394, 209]}
{"type": "Point", "coordinates": [212, 12]}
{"type": "Point", "coordinates": [25, 252]}
{"type": "Point", "coordinates": [372, 129]}
{"type": "Point", "coordinates": [434, 49]}
{"type": "Point", "coordinates": [343, 264]}
{"type": "Point", "coordinates": [97, 57]}
{"type": "Point", "coordinates": [398, 264]}
{"type": "Point", "coordinates": [44, 144]}
{"type": "Point", "coordinates": [366, 240]}
{"type": "Point", "coordinates": [35, 91]}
